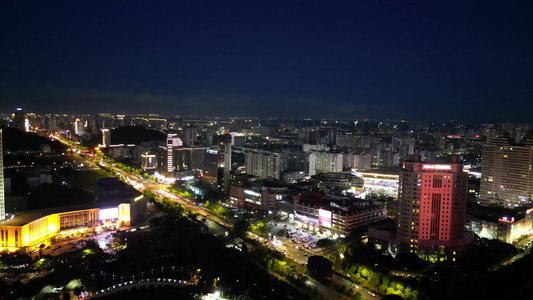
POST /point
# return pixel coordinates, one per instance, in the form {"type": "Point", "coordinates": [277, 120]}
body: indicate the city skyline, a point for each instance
{"type": "Point", "coordinates": [351, 60]}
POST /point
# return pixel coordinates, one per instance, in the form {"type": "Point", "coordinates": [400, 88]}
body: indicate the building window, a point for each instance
{"type": "Point", "coordinates": [437, 181]}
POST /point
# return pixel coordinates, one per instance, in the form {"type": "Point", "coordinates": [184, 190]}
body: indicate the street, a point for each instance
{"type": "Point", "coordinates": [293, 247]}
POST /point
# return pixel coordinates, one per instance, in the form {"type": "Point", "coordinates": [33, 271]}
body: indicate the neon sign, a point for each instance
{"type": "Point", "coordinates": [252, 193]}
{"type": "Point", "coordinates": [108, 213]}
{"type": "Point", "coordinates": [506, 220]}
{"type": "Point", "coordinates": [324, 217]}
{"type": "Point", "coordinates": [436, 167]}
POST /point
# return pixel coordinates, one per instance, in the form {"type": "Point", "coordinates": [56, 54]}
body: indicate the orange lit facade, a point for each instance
{"type": "Point", "coordinates": [432, 203]}
{"type": "Point", "coordinates": [28, 230]}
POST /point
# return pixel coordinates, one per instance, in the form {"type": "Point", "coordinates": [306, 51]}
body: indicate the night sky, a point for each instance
{"type": "Point", "coordinates": [344, 59]}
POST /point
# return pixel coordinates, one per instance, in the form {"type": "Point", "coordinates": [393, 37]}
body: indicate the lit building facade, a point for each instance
{"type": "Point", "coordinates": [148, 161]}
{"type": "Point", "coordinates": [381, 182]}
{"type": "Point", "coordinates": [337, 181]}
{"type": "Point", "coordinates": [264, 164]}
{"type": "Point", "coordinates": [324, 162]}
{"type": "Point", "coordinates": [172, 142]}
{"type": "Point", "coordinates": [507, 173]}
{"type": "Point", "coordinates": [28, 230]}
{"type": "Point", "coordinates": [432, 205]}
{"type": "Point", "coordinates": [79, 129]}
{"type": "Point", "coordinates": [494, 224]}
{"type": "Point", "coordinates": [106, 137]}
{"type": "Point", "coordinates": [261, 195]}
{"type": "Point", "coordinates": [338, 217]}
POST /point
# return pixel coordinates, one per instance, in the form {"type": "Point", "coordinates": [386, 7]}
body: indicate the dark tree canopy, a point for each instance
{"type": "Point", "coordinates": [241, 227]}
{"type": "Point", "coordinates": [15, 140]}
{"type": "Point", "coordinates": [282, 232]}
{"type": "Point", "coordinates": [55, 195]}
{"type": "Point", "coordinates": [325, 243]}
{"type": "Point", "coordinates": [392, 297]}
{"type": "Point", "coordinates": [319, 266]}
{"type": "Point", "coordinates": [128, 135]}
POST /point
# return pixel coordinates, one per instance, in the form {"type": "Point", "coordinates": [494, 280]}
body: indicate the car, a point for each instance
{"type": "Point", "coordinates": [305, 254]}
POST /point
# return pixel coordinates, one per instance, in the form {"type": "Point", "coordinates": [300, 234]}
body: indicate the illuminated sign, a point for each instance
{"type": "Point", "coordinates": [353, 171]}
{"type": "Point", "coordinates": [108, 213]}
{"type": "Point", "coordinates": [252, 193]}
{"type": "Point", "coordinates": [529, 211]}
{"type": "Point", "coordinates": [436, 167]}
{"type": "Point", "coordinates": [324, 217]}
{"type": "Point", "coordinates": [210, 151]}
{"type": "Point", "coordinates": [506, 220]}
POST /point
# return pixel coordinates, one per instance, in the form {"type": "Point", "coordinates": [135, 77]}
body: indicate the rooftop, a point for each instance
{"type": "Point", "coordinates": [491, 214]}
{"type": "Point", "coordinates": [25, 217]}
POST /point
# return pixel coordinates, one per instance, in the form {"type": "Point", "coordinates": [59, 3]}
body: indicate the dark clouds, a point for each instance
{"type": "Point", "coordinates": [349, 59]}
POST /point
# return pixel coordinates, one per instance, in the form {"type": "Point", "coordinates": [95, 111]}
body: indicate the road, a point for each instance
{"type": "Point", "coordinates": [355, 288]}
{"type": "Point", "coordinates": [219, 226]}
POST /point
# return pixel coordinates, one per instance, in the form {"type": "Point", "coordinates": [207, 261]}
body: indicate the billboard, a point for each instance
{"type": "Point", "coordinates": [436, 167]}
{"type": "Point", "coordinates": [324, 217]}
{"type": "Point", "coordinates": [108, 213]}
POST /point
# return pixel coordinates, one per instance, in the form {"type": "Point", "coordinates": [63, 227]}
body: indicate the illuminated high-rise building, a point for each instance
{"type": "Point", "coordinates": [190, 136]}
{"type": "Point", "coordinates": [172, 142]}
{"type": "Point", "coordinates": [52, 123]}
{"type": "Point", "coordinates": [432, 203]}
{"type": "Point", "coordinates": [2, 196]}
{"type": "Point", "coordinates": [507, 173]}
{"type": "Point", "coordinates": [106, 137]}
{"type": "Point", "coordinates": [227, 169]}
{"type": "Point", "coordinates": [78, 127]}
{"type": "Point", "coordinates": [19, 119]}
{"type": "Point", "coordinates": [148, 161]}
{"type": "Point", "coordinates": [264, 164]}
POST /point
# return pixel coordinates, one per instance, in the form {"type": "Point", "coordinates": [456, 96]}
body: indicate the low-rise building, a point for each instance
{"type": "Point", "coordinates": [36, 178]}
{"type": "Point", "coordinates": [293, 177]}
{"type": "Point", "coordinates": [339, 216]}
{"type": "Point", "coordinates": [495, 223]}
{"type": "Point", "coordinates": [382, 181]}
{"type": "Point", "coordinates": [340, 181]}
{"type": "Point", "coordinates": [261, 194]}
{"type": "Point", "coordinates": [118, 205]}
{"type": "Point", "coordinates": [383, 235]}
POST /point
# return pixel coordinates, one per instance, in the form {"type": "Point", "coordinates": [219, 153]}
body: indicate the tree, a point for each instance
{"type": "Point", "coordinates": [41, 247]}
{"type": "Point", "coordinates": [43, 264]}
{"type": "Point", "coordinates": [392, 297]}
{"type": "Point", "coordinates": [150, 194]}
{"type": "Point", "coordinates": [319, 266]}
{"type": "Point", "coordinates": [325, 243]}
{"type": "Point", "coordinates": [281, 233]}
{"type": "Point", "coordinates": [241, 227]}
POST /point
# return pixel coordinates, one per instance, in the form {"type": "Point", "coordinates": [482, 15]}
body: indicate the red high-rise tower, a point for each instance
{"type": "Point", "coordinates": [432, 203]}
